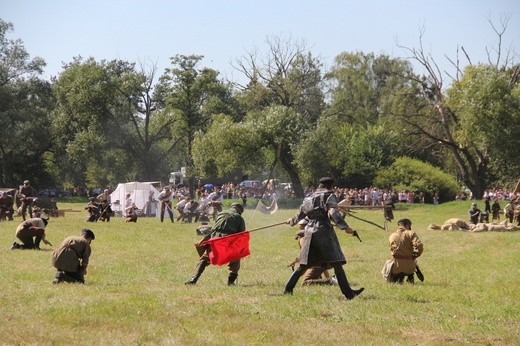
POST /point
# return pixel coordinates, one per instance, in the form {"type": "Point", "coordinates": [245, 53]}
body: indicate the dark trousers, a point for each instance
{"type": "Point", "coordinates": [30, 241]}
{"type": "Point", "coordinates": [341, 276]}
{"type": "Point", "coordinates": [399, 278]}
{"type": "Point", "coordinates": [27, 205]}
{"type": "Point", "coordinates": [166, 206]}
{"type": "Point", "coordinates": [77, 276]}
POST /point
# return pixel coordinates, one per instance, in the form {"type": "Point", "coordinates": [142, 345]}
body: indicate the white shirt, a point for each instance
{"type": "Point", "coordinates": [165, 197]}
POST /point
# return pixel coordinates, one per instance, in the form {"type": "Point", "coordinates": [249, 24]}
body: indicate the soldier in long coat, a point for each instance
{"type": "Point", "coordinates": [321, 245]}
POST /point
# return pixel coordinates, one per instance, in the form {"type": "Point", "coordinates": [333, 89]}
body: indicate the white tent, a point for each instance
{"type": "Point", "coordinates": [139, 193]}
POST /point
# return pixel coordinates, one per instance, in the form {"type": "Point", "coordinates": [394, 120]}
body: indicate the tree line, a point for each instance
{"type": "Point", "coordinates": [365, 120]}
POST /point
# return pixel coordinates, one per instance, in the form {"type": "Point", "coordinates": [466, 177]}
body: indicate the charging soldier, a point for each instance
{"type": "Point", "coordinates": [321, 245]}
{"type": "Point", "coordinates": [227, 222]}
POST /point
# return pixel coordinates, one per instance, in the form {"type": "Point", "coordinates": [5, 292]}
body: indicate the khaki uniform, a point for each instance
{"type": "Point", "coordinates": [315, 275]}
{"type": "Point", "coordinates": [72, 257]}
{"type": "Point", "coordinates": [26, 194]}
{"type": "Point", "coordinates": [31, 232]}
{"type": "Point", "coordinates": [405, 246]}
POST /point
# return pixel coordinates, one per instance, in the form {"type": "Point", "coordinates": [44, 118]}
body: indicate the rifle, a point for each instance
{"type": "Point", "coordinates": [419, 273]}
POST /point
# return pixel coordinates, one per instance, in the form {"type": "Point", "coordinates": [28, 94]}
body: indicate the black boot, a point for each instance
{"type": "Point", "coordinates": [200, 269]}
{"type": "Point", "coordinates": [347, 291]}
{"type": "Point", "coordinates": [231, 279]}
{"type": "Point", "coordinates": [293, 280]}
{"type": "Point", "coordinates": [59, 277]}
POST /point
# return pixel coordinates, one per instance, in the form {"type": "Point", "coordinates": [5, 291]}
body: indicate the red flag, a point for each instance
{"type": "Point", "coordinates": [228, 248]}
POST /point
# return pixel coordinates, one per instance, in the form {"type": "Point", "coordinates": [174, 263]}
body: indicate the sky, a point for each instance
{"type": "Point", "coordinates": [224, 31]}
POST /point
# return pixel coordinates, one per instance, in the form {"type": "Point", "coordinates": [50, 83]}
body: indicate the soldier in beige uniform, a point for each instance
{"type": "Point", "coordinates": [31, 232]}
{"type": "Point", "coordinates": [71, 258]}
{"type": "Point", "coordinates": [405, 247]}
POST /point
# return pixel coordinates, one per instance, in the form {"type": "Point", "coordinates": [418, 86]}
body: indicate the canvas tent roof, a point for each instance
{"type": "Point", "coordinates": [139, 192]}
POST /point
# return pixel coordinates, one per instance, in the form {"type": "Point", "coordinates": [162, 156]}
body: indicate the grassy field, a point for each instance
{"type": "Point", "coordinates": [135, 292]}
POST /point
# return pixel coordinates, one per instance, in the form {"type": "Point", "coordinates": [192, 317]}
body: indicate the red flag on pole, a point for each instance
{"type": "Point", "coordinates": [228, 248]}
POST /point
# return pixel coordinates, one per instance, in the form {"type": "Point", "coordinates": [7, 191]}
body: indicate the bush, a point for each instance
{"type": "Point", "coordinates": [417, 176]}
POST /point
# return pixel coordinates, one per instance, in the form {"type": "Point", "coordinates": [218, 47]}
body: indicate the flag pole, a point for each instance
{"type": "Point", "coordinates": [259, 228]}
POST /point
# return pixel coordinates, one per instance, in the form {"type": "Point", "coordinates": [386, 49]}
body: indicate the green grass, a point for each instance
{"type": "Point", "coordinates": [135, 292]}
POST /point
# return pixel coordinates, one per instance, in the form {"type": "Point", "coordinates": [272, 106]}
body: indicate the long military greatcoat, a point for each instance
{"type": "Point", "coordinates": [321, 245]}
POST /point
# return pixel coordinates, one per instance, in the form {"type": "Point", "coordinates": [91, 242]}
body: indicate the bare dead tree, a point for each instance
{"type": "Point", "coordinates": [439, 123]}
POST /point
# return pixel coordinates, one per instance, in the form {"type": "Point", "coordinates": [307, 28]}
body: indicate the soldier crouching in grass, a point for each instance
{"type": "Point", "coordinates": [31, 232]}
{"type": "Point", "coordinates": [405, 247]}
{"type": "Point", "coordinates": [71, 258]}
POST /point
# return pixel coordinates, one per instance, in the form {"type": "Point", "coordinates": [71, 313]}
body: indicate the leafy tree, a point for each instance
{"type": "Point", "coordinates": [258, 140]}
{"type": "Point", "coordinates": [443, 120]}
{"type": "Point", "coordinates": [287, 81]}
{"type": "Point", "coordinates": [25, 100]}
{"type": "Point", "coordinates": [287, 75]}
{"type": "Point", "coordinates": [417, 176]}
{"type": "Point", "coordinates": [362, 86]}
{"type": "Point", "coordinates": [107, 124]}
{"type": "Point", "coordinates": [192, 97]}
{"type": "Point", "coordinates": [487, 102]}
{"type": "Point", "coordinates": [352, 154]}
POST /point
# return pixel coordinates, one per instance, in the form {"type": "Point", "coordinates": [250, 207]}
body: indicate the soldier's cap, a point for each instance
{"type": "Point", "coordinates": [86, 233]}
{"type": "Point", "coordinates": [326, 180]}
{"type": "Point", "coordinates": [405, 222]}
{"type": "Point", "coordinates": [238, 207]}
{"type": "Point", "coordinates": [26, 182]}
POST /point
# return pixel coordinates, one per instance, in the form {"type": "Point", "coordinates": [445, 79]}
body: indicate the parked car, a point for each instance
{"type": "Point", "coordinates": [251, 184]}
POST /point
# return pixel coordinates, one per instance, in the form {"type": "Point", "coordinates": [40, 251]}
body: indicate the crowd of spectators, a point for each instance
{"type": "Point", "coordinates": [369, 196]}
